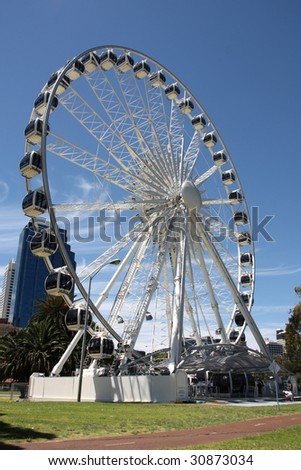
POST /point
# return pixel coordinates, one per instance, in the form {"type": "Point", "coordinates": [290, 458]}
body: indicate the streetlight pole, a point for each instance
{"type": "Point", "coordinates": [83, 351]}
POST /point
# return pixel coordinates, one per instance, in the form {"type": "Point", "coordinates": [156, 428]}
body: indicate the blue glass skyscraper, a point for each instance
{"type": "Point", "coordinates": [30, 274]}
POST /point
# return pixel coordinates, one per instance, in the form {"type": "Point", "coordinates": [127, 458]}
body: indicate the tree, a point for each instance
{"type": "Point", "coordinates": [39, 346]}
{"type": "Point", "coordinates": [12, 357]}
{"type": "Point", "coordinates": [293, 340]}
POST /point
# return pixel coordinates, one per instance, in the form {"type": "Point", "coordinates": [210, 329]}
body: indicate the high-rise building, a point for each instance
{"type": "Point", "coordinates": [30, 275]}
{"type": "Point", "coordinates": [7, 290]}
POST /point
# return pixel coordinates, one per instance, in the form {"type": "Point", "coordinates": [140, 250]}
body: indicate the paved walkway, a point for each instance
{"type": "Point", "coordinates": [172, 439]}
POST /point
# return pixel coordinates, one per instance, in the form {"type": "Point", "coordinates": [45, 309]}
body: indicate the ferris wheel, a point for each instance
{"type": "Point", "coordinates": [122, 155]}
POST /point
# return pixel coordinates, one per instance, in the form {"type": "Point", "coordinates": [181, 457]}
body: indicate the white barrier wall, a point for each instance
{"type": "Point", "coordinates": [143, 388]}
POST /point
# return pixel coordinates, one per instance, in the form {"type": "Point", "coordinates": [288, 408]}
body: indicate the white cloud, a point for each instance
{"type": "Point", "coordinates": [278, 271]}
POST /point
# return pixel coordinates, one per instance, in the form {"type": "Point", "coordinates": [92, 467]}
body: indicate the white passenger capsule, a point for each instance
{"type": "Point", "coordinates": [124, 63]}
{"type": "Point", "coordinates": [107, 60]}
{"type": "Point", "coordinates": [34, 203]}
{"type": "Point", "coordinates": [209, 139]}
{"type": "Point", "coordinates": [58, 282]}
{"type": "Point", "coordinates": [75, 317]}
{"type": "Point", "coordinates": [31, 164]}
{"type": "Point", "coordinates": [198, 122]}
{"type": "Point", "coordinates": [100, 347]}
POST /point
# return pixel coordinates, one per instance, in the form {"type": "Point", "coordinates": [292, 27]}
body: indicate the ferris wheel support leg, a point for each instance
{"type": "Point", "coordinates": [213, 301]}
{"type": "Point", "coordinates": [178, 309]}
{"type": "Point", "coordinates": [233, 289]}
{"type": "Point", "coordinates": [59, 366]}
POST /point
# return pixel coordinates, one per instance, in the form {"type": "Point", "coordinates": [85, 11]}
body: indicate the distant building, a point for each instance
{"type": "Point", "coordinates": [277, 348]}
{"type": "Point", "coordinates": [30, 274]}
{"type": "Point", "coordinates": [280, 334]}
{"type": "Point", "coordinates": [7, 290]}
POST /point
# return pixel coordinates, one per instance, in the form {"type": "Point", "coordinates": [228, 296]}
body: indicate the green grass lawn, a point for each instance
{"type": "Point", "coordinates": [32, 421]}
{"type": "Point", "coordinates": [282, 439]}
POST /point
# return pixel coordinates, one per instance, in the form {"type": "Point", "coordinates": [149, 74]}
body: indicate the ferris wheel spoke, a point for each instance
{"type": "Point", "coordinates": [210, 202]}
{"type": "Point", "coordinates": [144, 127]}
{"type": "Point", "coordinates": [132, 330]}
{"type": "Point", "coordinates": [140, 229]}
{"type": "Point", "coordinates": [113, 206]}
{"type": "Point", "coordinates": [106, 135]}
{"type": "Point", "coordinates": [159, 127]}
{"type": "Point", "coordinates": [201, 179]}
{"type": "Point", "coordinates": [176, 137]}
{"type": "Point", "coordinates": [191, 156]}
{"type": "Point", "coordinates": [139, 252]}
{"type": "Point", "coordinates": [125, 125]}
{"type": "Point", "coordinates": [112, 251]}
{"type": "Point", "coordinates": [121, 177]}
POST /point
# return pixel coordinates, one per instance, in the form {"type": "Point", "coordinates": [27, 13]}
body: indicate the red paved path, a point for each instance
{"type": "Point", "coordinates": [172, 439]}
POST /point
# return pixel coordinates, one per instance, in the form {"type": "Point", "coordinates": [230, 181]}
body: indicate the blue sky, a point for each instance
{"type": "Point", "coordinates": [240, 59]}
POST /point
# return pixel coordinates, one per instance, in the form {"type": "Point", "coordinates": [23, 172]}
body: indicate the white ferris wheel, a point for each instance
{"type": "Point", "coordinates": [120, 153]}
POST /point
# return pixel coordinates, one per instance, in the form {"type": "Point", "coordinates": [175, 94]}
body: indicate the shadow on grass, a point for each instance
{"type": "Point", "coordinates": [10, 433]}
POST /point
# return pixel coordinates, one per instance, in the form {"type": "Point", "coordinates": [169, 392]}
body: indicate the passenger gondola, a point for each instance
{"type": "Point", "coordinates": [63, 85]}
{"type": "Point", "coordinates": [58, 282]}
{"type": "Point", "coordinates": [198, 122]}
{"type": "Point", "coordinates": [75, 317]}
{"type": "Point", "coordinates": [246, 280]}
{"type": "Point", "coordinates": [172, 91]}
{"type": "Point", "coordinates": [31, 164]}
{"type": "Point", "coordinates": [100, 347]}
{"type": "Point", "coordinates": [107, 60]}
{"type": "Point", "coordinates": [33, 131]}
{"type": "Point", "coordinates": [157, 79]}
{"type": "Point", "coordinates": [235, 196]}
{"type": "Point", "coordinates": [239, 318]}
{"type": "Point", "coordinates": [43, 243]}
{"type": "Point", "coordinates": [244, 238]}
{"type": "Point", "coordinates": [125, 62]}
{"type": "Point", "coordinates": [141, 69]}
{"type": "Point", "coordinates": [41, 103]}
{"type": "Point", "coordinates": [75, 71]}
{"type": "Point", "coordinates": [90, 61]}
{"type": "Point", "coordinates": [246, 297]}
{"type": "Point", "coordinates": [240, 218]}
{"type": "Point", "coordinates": [246, 259]}
{"type": "Point", "coordinates": [235, 334]}
{"type": "Point", "coordinates": [228, 177]}
{"type": "Point", "coordinates": [186, 106]}
{"type": "Point", "coordinates": [209, 139]}
{"type": "Point", "coordinates": [34, 203]}
{"type": "Point", "coordinates": [219, 158]}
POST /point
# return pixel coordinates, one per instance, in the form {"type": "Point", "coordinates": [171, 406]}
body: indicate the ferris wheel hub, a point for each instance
{"type": "Point", "coordinates": [191, 196]}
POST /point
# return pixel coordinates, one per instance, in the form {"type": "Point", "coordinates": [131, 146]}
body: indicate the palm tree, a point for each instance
{"type": "Point", "coordinates": [12, 357]}
{"type": "Point", "coordinates": [51, 309]}
{"type": "Point", "coordinates": [39, 346]}
{"type": "Point", "coordinates": [42, 345]}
